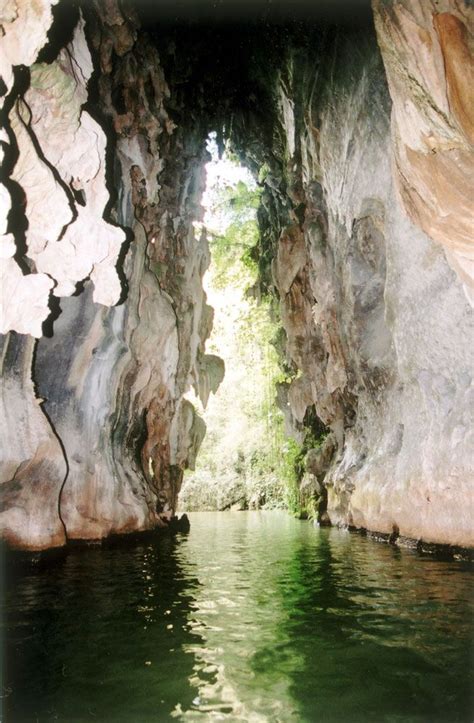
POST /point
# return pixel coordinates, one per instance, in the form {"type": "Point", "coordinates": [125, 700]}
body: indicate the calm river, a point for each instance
{"type": "Point", "coordinates": [252, 616]}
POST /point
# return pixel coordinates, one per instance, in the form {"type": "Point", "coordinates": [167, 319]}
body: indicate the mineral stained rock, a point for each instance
{"type": "Point", "coordinates": [433, 119]}
{"type": "Point", "coordinates": [60, 159]}
{"type": "Point", "coordinates": [96, 412]}
{"type": "Point", "coordinates": [24, 298]}
{"type": "Point", "coordinates": [376, 321]}
{"type": "Point", "coordinates": [364, 136]}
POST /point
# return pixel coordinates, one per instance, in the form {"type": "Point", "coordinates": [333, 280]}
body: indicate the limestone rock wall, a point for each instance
{"type": "Point", "coordinates": [33, 465]}
{"type": "Point", "coordinates": [376, 320]}
{"type": "Point", "coordinates": [433, 119]}
{"type": "Point", "coordinates": [407, 461]}
{"type": "Point", "coordinates": [59, 170]}
{"type": "Point", "coordinates": [98, 432]}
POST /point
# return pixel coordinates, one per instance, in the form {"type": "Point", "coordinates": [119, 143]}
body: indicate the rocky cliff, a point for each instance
{"type": "Point", "coordinates": [98, 432]}
{"type": "Point", "coordinates": [362, 142]}
{"type": "Point", "coordinates": [366, 212]}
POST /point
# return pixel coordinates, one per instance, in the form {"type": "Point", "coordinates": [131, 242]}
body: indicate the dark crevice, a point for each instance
{"type": "Point", "coordinates": [17, 220]}
{"type": "Point", "coordinates": [112, 167]}
{"type": "Point", "coordinates": [55, 312]}
{"type": "Point", "coordinates": [63, 450]}
{"type": "Point", "coordinates": [61, 32]}
{"type": "Point", "coordinates": [54, 431]}
{"type": "Point", "coordinates": [55, 173]}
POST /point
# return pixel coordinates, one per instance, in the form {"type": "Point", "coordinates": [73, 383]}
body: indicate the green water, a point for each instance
{"type": "Point", "coordinates": [251, 617]}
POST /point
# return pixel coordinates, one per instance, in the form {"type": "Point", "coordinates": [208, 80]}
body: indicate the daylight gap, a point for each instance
{"type": "Point", "coordinates": [240, 462]}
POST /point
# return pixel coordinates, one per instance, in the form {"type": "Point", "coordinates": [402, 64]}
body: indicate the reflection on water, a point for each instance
{"type": "Point", "coordinates": [100, 635]}
{"type": "Point", "coordinates": [252, 616]}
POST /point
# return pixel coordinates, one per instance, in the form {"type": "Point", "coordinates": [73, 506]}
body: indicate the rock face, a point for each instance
{"type": "Point", "coordinates": [433, 119]}
{"type": "Point", "coordinates": [376, 321]}
{"type": "Point", "coordinates": [60, 169]}
{"type": "Point", "coordinates": [364, 241]}
{"type": "Point", "coordinates": [102, 435]}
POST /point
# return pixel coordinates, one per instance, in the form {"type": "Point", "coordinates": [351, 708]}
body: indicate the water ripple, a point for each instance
{"type": "Point", "coordinates": [250, 617]}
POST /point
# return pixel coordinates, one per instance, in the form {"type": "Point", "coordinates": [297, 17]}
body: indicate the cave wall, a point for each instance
{"type": "Point", "coordinates": [378, 325]}
{"type": "Point", "coordinates": [433, 119]}
{"type": "Point", "coordinates": [361, 139]}
{"type": "Point", "coordinates": [98, 432]}
{"type": "Point", "coordinates": [404, 325]}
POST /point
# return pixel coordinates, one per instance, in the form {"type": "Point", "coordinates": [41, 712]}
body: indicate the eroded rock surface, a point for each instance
{"type": "Point", "coordinates": [433, 119]}
{"type": "Point", "coordinates": [378, 327]}
{"type": "Point", "coordinates": [60, 169]}
{"type": "Point", "coordinates": [33, 465]}
{"type": "Point", "coordinates": [111, 379]}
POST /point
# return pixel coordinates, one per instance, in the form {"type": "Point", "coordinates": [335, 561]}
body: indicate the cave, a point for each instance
{"type": "Point", "coordinates": [355, 120]}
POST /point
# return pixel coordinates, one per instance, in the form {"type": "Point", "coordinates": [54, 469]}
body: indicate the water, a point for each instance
{"type": "Point", "coordinates": [251, 617]}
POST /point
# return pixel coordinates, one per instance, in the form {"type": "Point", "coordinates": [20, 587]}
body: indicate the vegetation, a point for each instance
{"type": "Point", "coordinates": [240, 462]}
{"type": "Point", "coordinates": [245, 460]}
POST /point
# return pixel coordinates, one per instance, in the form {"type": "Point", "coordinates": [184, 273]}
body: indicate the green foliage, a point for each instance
{"type": "Point", "coordinates": [263, 173]}
{"type": "Point", "coordinates": [308, 509]}
{"type": "Point", "coordinates": [242, 448]}
{"type": "Point", "coordinates": [245, 458]}
{"type": "Point", "coordinates": [294, 456]}
{"type": "Point", "coordinates": [315, 431]}
{"type": "Point", "coordinates": [235, 206]}
{"type": "Point", "coordinates": [290, 471]}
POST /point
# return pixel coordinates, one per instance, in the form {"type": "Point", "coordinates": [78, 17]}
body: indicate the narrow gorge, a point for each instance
{"type": "Point", "coordinates": [358, 126]}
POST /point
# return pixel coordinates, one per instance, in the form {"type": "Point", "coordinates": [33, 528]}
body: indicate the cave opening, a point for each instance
{"type": "Point", "coordinates": [234, 71]}
{"type": "Point", "coordinates": [239, 465]}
